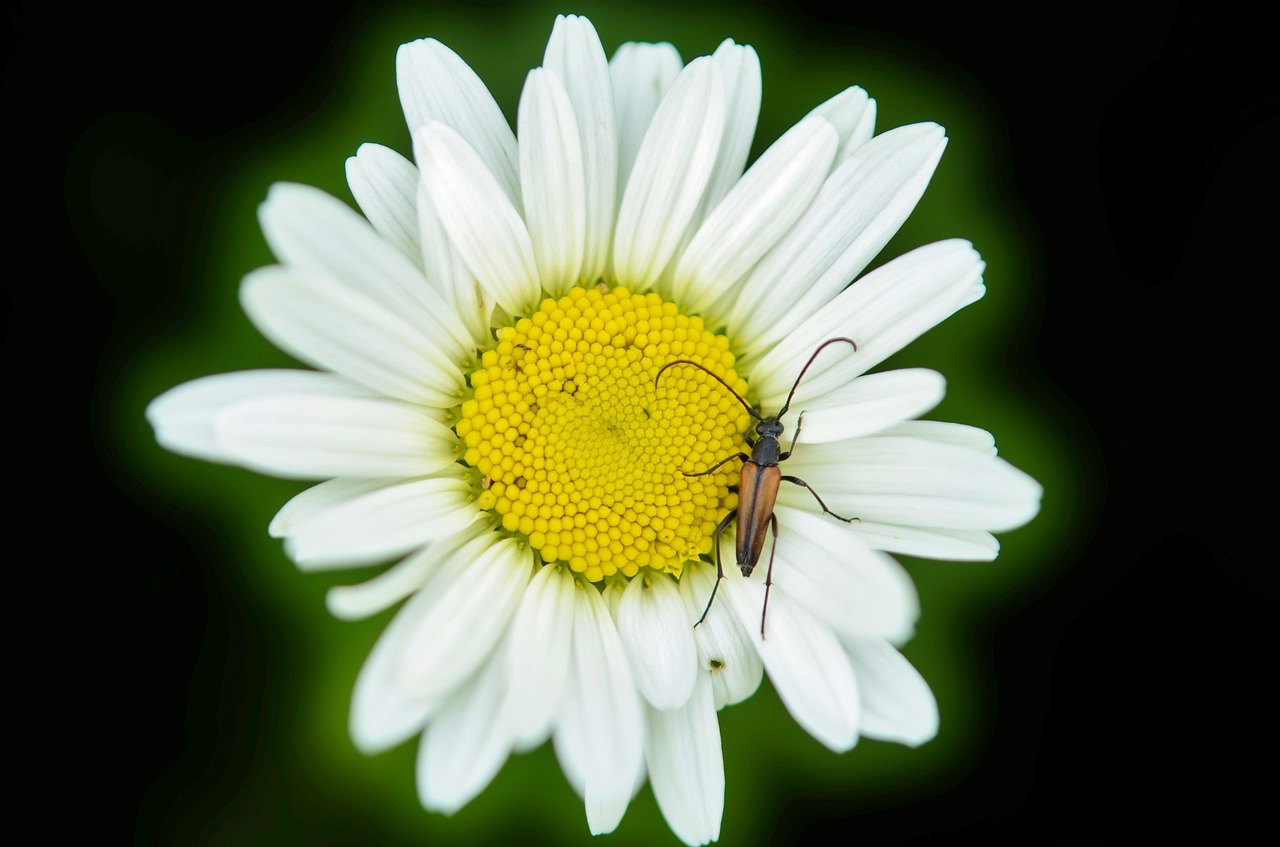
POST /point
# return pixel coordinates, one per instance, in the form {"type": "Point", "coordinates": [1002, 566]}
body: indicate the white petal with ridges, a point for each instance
{"type": "Point", "coordinates": [897, 704]}
{"type": "Point", "coordinates": [854, 115]}
{"type": "Point", "coordinates": [945, 432]}
{"type": "Point", "coordinates": [882, 312]}
{"type": "Point", "coordinates": [915, 482]}
{"type": "Point", "coordinates": [857, 591]}
{"type": "Point", "coordinates": [575, 55]}
{"type": "Point", "coordinates": [385, 184]}
{"type": "Point", "coordinates": [536, 656]}
{"type": "Point", "coordinates": [465, 745]}
{"type": "Point", "coordinates": [956, 545]}
{"type": "Point", "coordinates": [640, 75]}
{"type": "Point", "coordinates": [686, 766]}
{"type": "Point", "coordinates": [448, 271]}
{"type": "Point", "coordinates": [466, 617]}
{"type": "Point", "coordinates": [401, 580]}
{"type": "Point", "coordinates": [869, 404]}
{"type": "Point", "coordinates": [437, 85]}
{"type": "Point", "coordinates": [332, 327]}
{"type": "Point", "coordinates": [481, 221]}
{"type": "Point", "coordinates": [758, 211]}
{"type": "Point", "coordinates": [725, 651]}
{"type": "Point", "coordinates": [599, 738]}
{"type": "Point", "coordinates": [384, 523]}
{"type": "Point", "coordinates": [316, 437]}
{"type": "Point", "coordinates": [805, 661]}
{"type": "Point", "coordinates": [655, 632]}
{"type": "Point", "coordinates": [670, 174]}
{"type": "Point", "coordinates": [862, 204]}
{"type": "Point", "coordinates": [385, 707]}
{"type": "Point", "coordinates": [739, 67]}
{"type": "Point", "coordinates": [184, 416]}
{"type": "Point", "coordinates": [321, 498]}
{"type": "Point", "coordinates": [552, 177]}
{"type": "Point", "coordinates": [313, 231]}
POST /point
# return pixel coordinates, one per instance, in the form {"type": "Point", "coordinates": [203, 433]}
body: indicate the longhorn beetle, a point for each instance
{"type": "Point", "coordinates": [758, 488]}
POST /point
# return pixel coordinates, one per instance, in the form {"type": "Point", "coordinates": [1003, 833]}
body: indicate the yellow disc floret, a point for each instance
{"type": "Point", "coordinates": [583, 455]}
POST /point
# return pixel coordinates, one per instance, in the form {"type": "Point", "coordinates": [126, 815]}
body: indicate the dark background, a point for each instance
{"type": "Point", "coordinates": [1144, 146]}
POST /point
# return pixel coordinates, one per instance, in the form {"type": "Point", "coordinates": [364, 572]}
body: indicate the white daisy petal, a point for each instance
{"type": "Point", "coordinates": [658, 640]}
{"type": "Point", "coordinates": [755, 214]}
{"type": "Point", "coordinates": [739, 68]}
{"type": "Point", "coordinates": [465, 616]}
{"type": "Point", "coordinates": [321, 498]}
{"type": "Point", "coordinates": [384, 523]}
{"type": "Point", "coordinates": [184, 416]}
{"type": "Point", "coordinates": [428, 649]}
{"type": "Point", "coordinates": [326, 324]}
{"type": "Point", "coordinates": [945, 432]}
{"type": "Point", "coordinates": [368, 598]}
{"type": "Point", "coordinates": [897, 704]}
{"type": "Point", "coordinates": [465, 744]}
{"type": "Point", "coordinates": [575, 55]}
{"type": "Point", "coordinates": [805, 661]}
{"type": "Point", "coordinates": [443, 264]}
{"type": "Point", "coordinates": [481, 221]}
{"type": "Point", "coordinates": [640, 75]}
{"type": "Point", "coordinates": [385, 184]}
{"type": "Point", "coordinates": [914, 482]}
{"type": "Point", "coordinates": [686, 767]}
{"type": "Point", "coordinates": [552, 176]}
{"type": "Point", "coordinates": [308, 436]}
{"type": "Point", "coordinates": [382, 715]}
{"type": "Point", "coordinates": [882, 312]}
{"type": "Point", "coordinates": [437, 85]}
{"type": "Point", "coordinates": [725, 650]}
{"type": "Point", "coordinates": [313, 231]}
{"type": "Point", "coordinates": [536, 660]}
{"type": "Point", "coordinates": [861, 205]}
{"type": "Point", "coordinates": [857, 591]}
{"type": "Point", "coordinates": [954, 545]}
{"type": "Point", "coordinates": [599, 738]}
{"type": "Point", "coordinates": [670, 174]}
{"type": "Point", "coordinates": [867, 405]}
{"type": "Point", "coordinates": [854, 115]}
{"type": "Point", "coordinates": [385, 710]}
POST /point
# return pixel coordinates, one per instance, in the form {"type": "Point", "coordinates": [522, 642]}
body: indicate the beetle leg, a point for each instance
{"type": "Point", "coordinates": [720, 568]}
{"type": "Point", "coordinates": [798, 481]}
{"type": "Point", "coordinates": [794, 438]}
{"type": "Point", "coordinates": [768, 574]}
{"type": "Point", "coordinates": [743, 456]}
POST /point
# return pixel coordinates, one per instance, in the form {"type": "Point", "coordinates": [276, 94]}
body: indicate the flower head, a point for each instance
{"type": "Point", "coordinates": [486, 412]}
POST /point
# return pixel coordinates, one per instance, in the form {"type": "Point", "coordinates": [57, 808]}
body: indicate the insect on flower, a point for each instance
{"type": "Point", "coordinates": [758, 487]}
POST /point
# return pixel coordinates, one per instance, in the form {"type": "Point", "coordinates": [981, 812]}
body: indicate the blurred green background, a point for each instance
{"type": "Point", "coordinates": [237, 681]}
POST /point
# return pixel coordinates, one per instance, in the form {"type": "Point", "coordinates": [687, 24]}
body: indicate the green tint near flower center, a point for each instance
{"type": "Point", "coordinates": [583, 455]}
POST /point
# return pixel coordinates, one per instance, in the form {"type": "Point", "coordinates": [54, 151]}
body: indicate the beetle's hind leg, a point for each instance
{"type": "Point", "coordinates": [768, 574]}
{"type": "Point", "coordinates": [719, 567]}
{"type": "Point", "coordinates": [798, 481]}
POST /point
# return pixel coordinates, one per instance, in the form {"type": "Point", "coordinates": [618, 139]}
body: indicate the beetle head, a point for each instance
{"type": "Point", "coordinates": [769, 427]}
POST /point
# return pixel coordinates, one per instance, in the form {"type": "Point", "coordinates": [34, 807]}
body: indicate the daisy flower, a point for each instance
{"type": "Point", "coordinates": [484, 414]}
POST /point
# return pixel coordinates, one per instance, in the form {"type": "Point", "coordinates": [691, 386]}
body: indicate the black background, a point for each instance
{"type": "Point", "coordinates": [1145, 144]}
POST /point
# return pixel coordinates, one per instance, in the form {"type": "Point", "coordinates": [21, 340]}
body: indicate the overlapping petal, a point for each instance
{"type": "Point", "coordinates": [670, 175]}
{"type": "Point", "coordinates": [599, 738]}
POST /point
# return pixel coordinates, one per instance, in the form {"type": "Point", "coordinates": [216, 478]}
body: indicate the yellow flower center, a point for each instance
{"type": "Point", "coordinates": [583, 455]}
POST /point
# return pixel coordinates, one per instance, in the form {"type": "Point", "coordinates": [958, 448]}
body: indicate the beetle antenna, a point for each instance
{"type": "Point", "coordinates": [821, 347]}
{"type": "Point", "coordinates": [702, 367]}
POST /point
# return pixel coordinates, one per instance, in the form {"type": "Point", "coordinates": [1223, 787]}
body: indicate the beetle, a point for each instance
{"type": "Point", "coordinates": [758, 485]}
